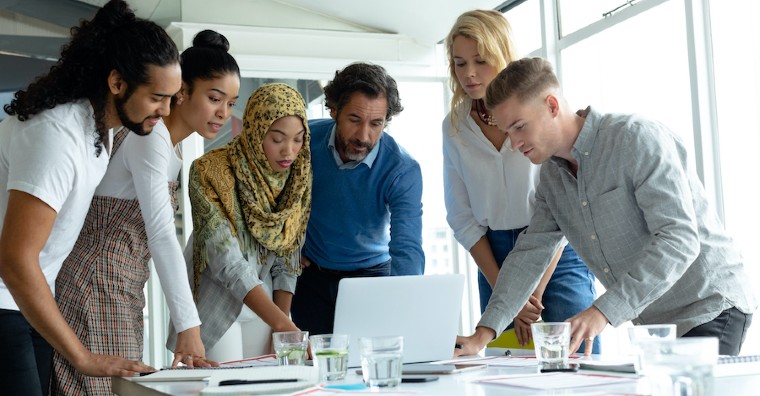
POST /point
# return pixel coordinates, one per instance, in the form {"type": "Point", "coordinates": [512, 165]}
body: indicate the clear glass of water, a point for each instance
{"type": "Point", "coordinates": [381, 360]}
{"type": "Point", "coordinates": [290, 347]}
{"type": "Point", "coordinates": [682, 366]}
{"type": "Point", "coordinates": [552, 343]}
{"type": "Point", "coordinates": [330, 354]}
{"type": "Point", "coordinates": [643, 337]}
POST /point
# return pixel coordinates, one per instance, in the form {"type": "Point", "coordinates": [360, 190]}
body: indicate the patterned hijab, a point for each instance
{"type": "Point", "coordinates": [234, 185]}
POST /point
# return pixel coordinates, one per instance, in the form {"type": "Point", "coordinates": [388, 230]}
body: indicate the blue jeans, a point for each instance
{"type": "Point", "coordinates": [27, 357]}
{"type": "Point", "coordinates": [569, 291]}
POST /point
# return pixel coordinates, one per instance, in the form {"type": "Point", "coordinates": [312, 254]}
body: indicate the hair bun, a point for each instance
{"type": "Point", "coordinates": [113, 15]}
{"type": "Point", "coordinates": [210, 38]}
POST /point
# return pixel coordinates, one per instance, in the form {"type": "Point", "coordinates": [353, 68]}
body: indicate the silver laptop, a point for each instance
{"type": "Point", "coordinates": [424, 309]}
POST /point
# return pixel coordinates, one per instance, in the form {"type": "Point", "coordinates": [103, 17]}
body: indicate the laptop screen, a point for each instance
{"type": "Point", "coordinates": [424, 309]}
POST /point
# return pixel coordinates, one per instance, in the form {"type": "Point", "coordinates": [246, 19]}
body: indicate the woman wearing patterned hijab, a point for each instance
{"type": "Point", "coordinates": [250, 205]}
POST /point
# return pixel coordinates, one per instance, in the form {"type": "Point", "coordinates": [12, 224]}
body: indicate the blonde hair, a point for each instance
{"type": "Point", "coordinates": [491, 31]}
{"type": "Point", "coordinates": [525, 79]}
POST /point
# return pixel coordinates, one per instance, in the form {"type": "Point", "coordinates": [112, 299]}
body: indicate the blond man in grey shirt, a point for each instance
{"type": "Point", "coordinates": [624, 193]}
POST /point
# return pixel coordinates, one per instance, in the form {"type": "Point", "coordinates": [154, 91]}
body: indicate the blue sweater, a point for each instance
{"type": "Point", "coordinates": [365, 216]}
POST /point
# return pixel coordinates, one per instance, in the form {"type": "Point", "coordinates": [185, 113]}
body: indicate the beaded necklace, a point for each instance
{"type": "Point", "coordinates": [480, 109]}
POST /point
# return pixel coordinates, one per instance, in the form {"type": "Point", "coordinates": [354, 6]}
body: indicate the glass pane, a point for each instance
{"type": "Point", "coordinates": [525, 20]}
{"type": "Point", "coordinates": [631, 68]}
{"type": "Point", "coordinates": [576, 14]}
{"type": "Point", "coordinates": [418, 130]}
{"type": "Point", "coordinates": [736, 46]}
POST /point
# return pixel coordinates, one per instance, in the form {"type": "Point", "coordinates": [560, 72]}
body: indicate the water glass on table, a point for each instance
{"type": "Point", "coordinates": [551, 341]}
{"type": "Point", "coordinates": [330, 354]}
{"type": "Point", "coordinates": [381, 360]}
{"type": "Point", "coordinates": [643, 337]}
{"type": "Point", "coordinates": [290, 347]}
{"type": "Point", "coordinates": [681, 367]}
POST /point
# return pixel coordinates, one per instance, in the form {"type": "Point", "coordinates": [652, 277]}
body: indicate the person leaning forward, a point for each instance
{"type": "Point", "coordinates": [366, 217]}
{"type": "Point", "coordinates": [621, 189]}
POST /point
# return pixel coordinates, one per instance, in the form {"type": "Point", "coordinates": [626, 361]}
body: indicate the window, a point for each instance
{"type": "Point", "coordinates": [576, 14]}
{"type": "Point", "coordinates": [525, 19]}
{"type": "Point", "coordinates": [632, 68]}
{"type": "Point", "coordinates": [736, 53]}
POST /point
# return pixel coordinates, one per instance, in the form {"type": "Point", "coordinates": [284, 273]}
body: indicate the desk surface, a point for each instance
{"type": "Point", "coordinates": [455, 384]}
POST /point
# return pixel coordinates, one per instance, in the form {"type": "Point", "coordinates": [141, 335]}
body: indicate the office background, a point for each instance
{"type": "Point", "coordinates": [692, 64]}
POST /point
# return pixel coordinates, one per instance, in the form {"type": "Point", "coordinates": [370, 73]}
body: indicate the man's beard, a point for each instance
{"type": "Point", "coordinates": [342, 146]}
{"type": "Point", "coordinates": [136, 127]}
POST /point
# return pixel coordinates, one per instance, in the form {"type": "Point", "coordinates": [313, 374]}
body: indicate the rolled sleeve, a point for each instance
{"type": "Point", "coordinates": [282, 278]}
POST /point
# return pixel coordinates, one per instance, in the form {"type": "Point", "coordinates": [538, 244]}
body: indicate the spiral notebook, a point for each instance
{"type": "Point", "coordinates": [737, 365]}
{"type": "Point", "coordinates": [727, 365]}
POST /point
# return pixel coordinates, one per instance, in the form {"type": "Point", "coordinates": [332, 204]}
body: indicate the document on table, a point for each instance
{"type": "Point", "coordinates": [500, 361]}
{"type": "Point", "coordinates": [265, 360]}
{"type": "Point", "coordinates": [554, 381]}
{"type": "Point", "coordinates": [262, 380]}
{"type": "Point", "coordinates": [183, 373]}
{"type": "Point", "coordinates": [620, 364]}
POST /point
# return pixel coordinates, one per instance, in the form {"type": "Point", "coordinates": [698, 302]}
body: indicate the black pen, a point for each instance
{"type": "Point", "coordinates": [253, 382]}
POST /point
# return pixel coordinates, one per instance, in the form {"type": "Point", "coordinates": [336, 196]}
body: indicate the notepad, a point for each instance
{"type": "Point", "coordinates": [170, 375]}
{"type": "Point", "coordinates": [737, 365]}
{"type": "Point", "coordinates": [727, 365]}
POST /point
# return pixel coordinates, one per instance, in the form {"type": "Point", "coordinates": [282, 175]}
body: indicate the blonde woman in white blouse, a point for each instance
{"type": "Point", "coordinates": [489, 189]}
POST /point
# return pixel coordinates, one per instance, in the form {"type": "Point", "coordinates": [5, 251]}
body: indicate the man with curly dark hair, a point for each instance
{"type": "Point", "coordinates": [366, 217]}
{"type": "Point", "coordinates": [117, 70]}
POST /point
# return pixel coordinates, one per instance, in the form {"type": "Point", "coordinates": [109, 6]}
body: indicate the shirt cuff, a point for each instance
{"type": "Point", "coordinates": [616, 309]}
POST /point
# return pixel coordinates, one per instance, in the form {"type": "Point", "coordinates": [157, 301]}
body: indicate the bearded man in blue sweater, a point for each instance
{"type": "Point", "coordinates": [366, 217]}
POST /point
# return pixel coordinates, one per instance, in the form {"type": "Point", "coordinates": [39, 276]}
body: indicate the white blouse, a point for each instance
{"type": "Point", "coordinates": [141, 169]}
{"type": "Point", "coordinates": [483, 188]}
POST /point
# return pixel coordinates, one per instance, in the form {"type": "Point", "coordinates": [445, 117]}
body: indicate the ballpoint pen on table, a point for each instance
{"type": "Point", "coordinates": [254, 382]}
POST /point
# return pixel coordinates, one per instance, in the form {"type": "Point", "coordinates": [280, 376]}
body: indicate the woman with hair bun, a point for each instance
{"type": "Point", "coordinates": [131, 219]}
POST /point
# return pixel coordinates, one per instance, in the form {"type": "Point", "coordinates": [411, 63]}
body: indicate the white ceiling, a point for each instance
{"type": "Point", "coordinates": [426, 21]}
{"type": "Point", "coordinates": [282, 35]}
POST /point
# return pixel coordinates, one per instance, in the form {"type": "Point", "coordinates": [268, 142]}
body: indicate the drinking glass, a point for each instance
{"type": "Point", "coordinates": [381, 360]}
{"type": "Point", "coordinates": [681, 367]}
{"type": "Point", "coordinates": [330, 354]}
{"type": "Point", "coordinates": [645, 336]}
{"type": "Point", "coordinates": [551, 341]}
{"type": "Point", "coordinates": [290, 347]}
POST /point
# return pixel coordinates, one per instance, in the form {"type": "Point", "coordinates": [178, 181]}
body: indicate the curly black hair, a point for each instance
{"type": "Point", "coordinates": [372, 80]}
{"type": "Point", "coordinates": [115, 39]}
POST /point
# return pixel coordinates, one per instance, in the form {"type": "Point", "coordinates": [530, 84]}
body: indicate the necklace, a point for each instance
{"type": "Point", "coordinates": [480, 109]}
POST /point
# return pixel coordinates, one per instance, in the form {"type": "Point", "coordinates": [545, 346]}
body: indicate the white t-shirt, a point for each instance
{"type": "Point", "coordinates": [52, 156]}
{"type": "Point", "coordinates": [484, 187]}
{"type": "Point", "coordinates": [141, 169]}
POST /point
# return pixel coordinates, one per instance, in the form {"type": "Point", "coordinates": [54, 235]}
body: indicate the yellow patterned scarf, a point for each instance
{"type": "Point", "coordinates": [235, 186]}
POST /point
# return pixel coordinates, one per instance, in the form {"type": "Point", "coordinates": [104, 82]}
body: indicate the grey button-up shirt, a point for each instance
{"type": "Point", "coordinates": [638, 216]}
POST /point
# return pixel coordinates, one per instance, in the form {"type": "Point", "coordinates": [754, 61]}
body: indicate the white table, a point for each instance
{"type": "Point", "coordinates": [456, 384]}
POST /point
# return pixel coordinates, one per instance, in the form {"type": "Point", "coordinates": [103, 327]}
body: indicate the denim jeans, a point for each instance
{"type": "Point", "coordinates": [730, 327]}
{"type": "Point", "coordinates": [569, 291]}
{"type": "Point", "coordinates": [313, 307]}
{"type": "Point", "coordinates": [27, 357]}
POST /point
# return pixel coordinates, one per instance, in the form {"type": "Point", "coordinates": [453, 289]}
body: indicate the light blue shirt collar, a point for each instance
{"type": "Point", "coordinates": [368, 160]}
